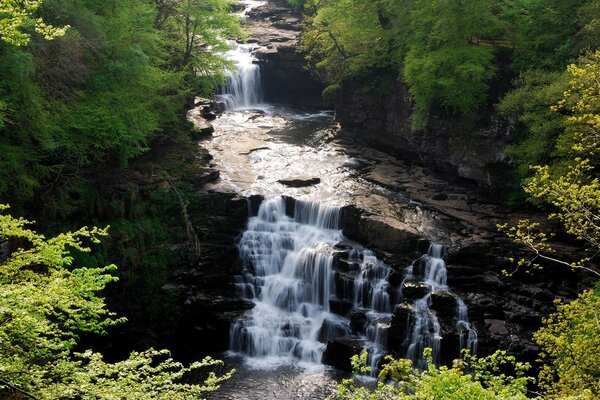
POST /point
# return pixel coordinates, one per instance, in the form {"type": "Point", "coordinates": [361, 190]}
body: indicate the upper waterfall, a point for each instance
{"type": "Point", "coordinates": [244, 86]}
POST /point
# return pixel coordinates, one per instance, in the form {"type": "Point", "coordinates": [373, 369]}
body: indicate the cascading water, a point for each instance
{"type": "Point", "coordinates": [305, 280]}
{"type": "Point", "coordinates": [244, 85]}
{"type": "Point", "coordinates": [426, 329]}
{"type": "Point", "coordinates": [288, 263]}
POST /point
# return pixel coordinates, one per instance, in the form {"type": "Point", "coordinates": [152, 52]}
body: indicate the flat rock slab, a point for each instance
{"type": "Point", "coordinates": [300, 182]}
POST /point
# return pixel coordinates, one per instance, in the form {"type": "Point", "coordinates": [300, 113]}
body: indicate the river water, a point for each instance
{"type": "Point", "coordinates": [291, 252]}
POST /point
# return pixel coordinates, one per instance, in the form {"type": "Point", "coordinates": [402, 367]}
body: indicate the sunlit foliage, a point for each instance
{"type": "Point", "coordinates": [47, 303]}
{"type": "Point", "coordinates": [398, 380]}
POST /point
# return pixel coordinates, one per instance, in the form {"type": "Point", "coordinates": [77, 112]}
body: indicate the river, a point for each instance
{"type": "Point", "coordinates": [310, 285]}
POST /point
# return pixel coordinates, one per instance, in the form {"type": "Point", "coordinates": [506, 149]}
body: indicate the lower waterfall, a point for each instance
{"type": "Point", "coordinates": [310, 285]}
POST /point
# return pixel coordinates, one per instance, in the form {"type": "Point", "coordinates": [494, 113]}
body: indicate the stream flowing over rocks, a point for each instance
{"type": "Point", "coordinates": [345, 247]}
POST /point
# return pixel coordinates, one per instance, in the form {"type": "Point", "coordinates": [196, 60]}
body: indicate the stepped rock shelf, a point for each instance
{"type": "Point", "coordinates": [318, 296]}
{"type": "Point", "coordinates": [338, 251]}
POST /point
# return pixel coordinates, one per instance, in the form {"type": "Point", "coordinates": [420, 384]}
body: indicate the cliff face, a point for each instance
{"type": "Point", "coordinates": [471, 150]}
{"type": "Point", "coordinates": [276, 28]}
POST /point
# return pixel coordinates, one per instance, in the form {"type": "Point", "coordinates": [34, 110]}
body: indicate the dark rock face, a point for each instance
{"type": "Point", "coordinates": [339, 351]}
{"type": "Point", "coordinates": [299, 182]}
{"type": "Point", "coordinates": [208, 298]}
{"type": "Point", "coordinates": [474, 151]}
{"type": "Point", "coordinates": [506, 311]}
{"type": "Point", "coordinates": [377, 234]}
{"type": "Point", "coordinates": [275, 28]}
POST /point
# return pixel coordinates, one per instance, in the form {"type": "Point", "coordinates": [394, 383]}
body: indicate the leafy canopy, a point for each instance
{"type": "Point", "coordinates": [398, 380]}
{"type": "Point", "coordinates": [17, 18]}
{"type": "Point", "coordinates": [46, 303]}
{"type": "Point", "coordinates": [573, 189]}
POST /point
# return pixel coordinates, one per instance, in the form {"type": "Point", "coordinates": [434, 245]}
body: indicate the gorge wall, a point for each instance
{"type": "Point", "coordinates": [504, 311]}
{"type": "Point", "coordinates": [472, 149]}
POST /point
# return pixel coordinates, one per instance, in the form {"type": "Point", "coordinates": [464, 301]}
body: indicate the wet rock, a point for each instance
{"type": "Point", "coordinates": [358, 320]}
{"type": "Point", "coordinates": [400, 325]}
{"type": "Point", "coordinates": [340, 306]}
{"type": "Point", "coordinates": [290, 206]}
{"type": "Point", "coordinates": [339, 352]}
{"type": "Point", "coordinates": [332, 329]}
{"type": "Point", "coordinates": [344, 285]}
{"type": "Point", "coordinates": [444, 303]}
{"type": "Point", "coordinates": [340, 260]}
{"type": "Point", "coordinates": [413, 289]}
{"type": "Point", "coordinates": [299, 182]}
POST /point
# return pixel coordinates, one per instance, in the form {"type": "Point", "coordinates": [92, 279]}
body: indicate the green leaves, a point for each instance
{"type": "Point", "coordinates": [570, 339]}
{"type": "Point", "coordinates": [17, 18]}
{"type": "Point", "coordinates": [46, 303]}
{"type": "Point", "coordinates": [398, 380]}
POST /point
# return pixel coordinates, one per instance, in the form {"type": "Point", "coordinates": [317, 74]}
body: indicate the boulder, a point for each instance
{"type": "Point", "coordinates": [331, 329]}
{"type": "Point", "coordinates": [298, 182]}
{"type": "Point", "coordinates": [339, 352]}
{"type": "Point", "coordinates": [444, 304]}
{"type": "Point", "coordinates": [340, 306]}
{"type": "Point", "coordinates": [400, 326]}
{"type": "Point", "coordinates": [414, 289]}
{"type": "Point", "coordinates": [358, 320]}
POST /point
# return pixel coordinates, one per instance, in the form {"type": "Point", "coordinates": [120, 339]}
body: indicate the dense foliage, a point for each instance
{"type": "Point", "coordinates": [570, 339]}
{"type": "Point", "coordinates": [398, 380]}
{"type": "Point", "coordinates": [570, 186]}
{"type": "Point", "coordinates": [447, 51]}
{"type": "Point", "coordinates": [47, 303]}
{"type": "Point", "coordinates": [121, 73]}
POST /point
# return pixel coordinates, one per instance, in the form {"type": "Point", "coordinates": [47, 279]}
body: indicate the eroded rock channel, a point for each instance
{"type": "Point", "coordinates": [346, 247]}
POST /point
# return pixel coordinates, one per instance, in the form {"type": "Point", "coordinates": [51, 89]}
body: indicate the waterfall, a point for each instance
{"type": "Point", "coordinates": [288, 263]}
{"type": "Point", "coordinates": [244, 86]}
{"type": "Point", "coordinates": [426, 329]}
{"type": "Point", "coordinates": [243, 89]}
{"type": "Point", "coordinates": [310, 285]}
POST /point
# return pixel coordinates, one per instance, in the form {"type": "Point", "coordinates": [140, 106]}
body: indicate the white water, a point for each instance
{"type": "Point", "coordinates": [288, 264]}
{"type": "Point", "coordinates": [289, 274]}
{"type": "Point", "coordinates": [289, 270]}
{"type": "Point", "coordinates": [243, 88]}
{"type": "Point", "coordinates": [426, 327]}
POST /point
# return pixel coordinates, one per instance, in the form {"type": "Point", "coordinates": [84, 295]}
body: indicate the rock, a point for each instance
{"type": "Point", "coordinates": [332, 329]}
{"type": "Point", "coordinates": [440, 196]}
{"type": "Point", "coordinates": [299, 182]}
{"type": "Point", "coordinates": [413, 289]}
{"type": "Point", "coordinates": [340, 307]}
{"type": "Point", "coordinates": [444, 304]}
{"type": "Point", "coordinates": [344, 285]}
{"type": "Point", "coordinates": [380, 232]}
{"type": "Point", "coordinates": [400, 326]}
{"type": "Point", "coordinates": [339, 352]}
{"type": "Point", "coordinates": [201, 127]}
{"type": "Point", "coordinates": [358, 320]}
{"type": "Point", "coordinates": [203, 177]}
{"type": "Point", "coordinates": [496, 328]}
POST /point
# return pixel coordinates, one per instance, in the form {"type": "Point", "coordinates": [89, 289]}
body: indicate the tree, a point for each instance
{"type": "Point", "coordinates": [399, 381]}
{"type": "Point", "coordinates": [46, 303]}
{"type": "Point", "coordinates": [446, 66]}
{"type": "Point", "coordinates": [570, 340]}
{"type": "Point", "coordinates": [349, 38]}
{"type": "Point", "coordinates": [17, 19]}
{"type": "Point", "coordinates": [571, 187]}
